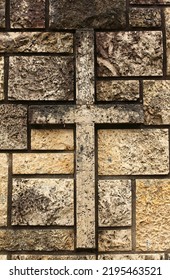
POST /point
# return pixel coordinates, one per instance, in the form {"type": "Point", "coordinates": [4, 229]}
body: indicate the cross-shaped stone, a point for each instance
{"type": "Point", "coordinates": [85, 114]}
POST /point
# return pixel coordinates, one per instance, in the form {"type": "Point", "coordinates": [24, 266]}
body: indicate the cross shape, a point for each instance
{"type": "Point", "coordinates": [85, 114]}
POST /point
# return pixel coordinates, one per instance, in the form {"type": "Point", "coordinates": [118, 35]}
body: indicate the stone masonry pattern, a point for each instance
{"type": "Point", "coordinates": [84, 130]}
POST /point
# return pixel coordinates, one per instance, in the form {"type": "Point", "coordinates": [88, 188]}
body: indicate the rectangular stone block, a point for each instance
{"type": "Point", "coordinates": [52, 139]}
{"type": "Point", "coordinates": [43, 202]}
{"type": "Point", "coordinates": [27, 14]}
{"type": "Point", "coordinates": [83, 14]}
{"type": "Point", "coordinates": [145, 2]}
{"type": "Point", "coordinates": [13, 126]}
{"type": "Point", "coordinates": [117, 90]}
{"type": "Point", "coordinates": [43, 163]}
{"type": "Point", "coordinates": [126, 54]}
{"type": "Point", "coordinates": [114, 205]}
{"type": "Point", "coordinates": [145, 17]}
{"type": "Point", "coordinates": [167, 26]}
{"type": "Point", "coordinates": [156, 100]}
{"type": "Point", "coordinates": [3, 257]}
{"type": "Point", "coordinates": [133, 152]}
{"type": "Point", "coordinates": [37, 240]}
{"type": "Point", "coordinates": [115, 240]}
{"type": "Point", "coordinates": [53, 257]}
{"type": "Point", "coordinates": [2, 13]}
{"type": "Point", "coordinates": [51, 42]}
{"type": "Point", "coordinates": [41, 78]}
{"type": "Point", "coordinates": [3, 188]}
{"type": "Point", "coordinates": [1, 78]}
{"type": "Point", "coordinates": [152, 214]}
{"type": "Point", "coordinates": [141, 257]}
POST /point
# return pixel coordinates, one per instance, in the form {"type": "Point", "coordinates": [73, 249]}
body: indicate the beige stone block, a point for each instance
{"type": "Point", "coordinates": [115, 201]}
{"type": "Point", "coordinates": [3, 257]}
{"type": "Point", "coordinates": [133, 151]}
{"type": "Point", "coordinates": [53, 257]}
{"type": "Point", "coordinates": [167, 26]}
{"type": "Point", "coordinates": [43, 202]}
{"type": "Point", "coordinates": [131, 257]}
{"type": "Point", "coordinates": [115, 240]}
{"type": "Point", "coordinates": [1, 78]}
{"type": "Point", "coordinates": [2, 13]}
{"type": "Point", "coordinates": [52, 139]}
{"type": "Point", "coordinates": [43, 163]}
{"type": "Point", "coordinates": [37, 240]}
{"type": "Point", "coordinates": [152, 214]}
{"type": "Point", "coordinates": [3, 188]}
{"type": "Point", "coordinates": [145, 17]}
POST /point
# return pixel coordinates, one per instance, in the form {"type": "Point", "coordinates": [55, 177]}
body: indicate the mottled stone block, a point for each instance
{"type": "Point", "coordinates": [157, 2]}
{"type": "Point", "coordinates": [141, 257]}
{"type": "Point", "coordinates": [133, 152]}
{"type": "Point", "coordinates": [145, 17]}
{"type": "Point", "coordinates": [13, 126]}
{"type": "Point", "coordinates": [3, 257]}
{"type": "Point", "coordinates": [41, 78]}
{"type": "Point", "coordinates": [114, 206]}
{"type": "Point", "coordinates": [115, 240]}
{"type": "Point", "coordinates": [85, 14]}
{"type": "Point", "coordinates": [152, 214]}
{"type": "Point", "coordinates": [156, 100]}
{"type": "Point", "coordinates": [51, 42]}
{"type": "Point", "coordinates": [2, 13]}
{"type": "Point", "coordinates": [43, 163]}
{"type": "Point", "coordinates": [1, 78]}
{"type": "Point", "coordinates": [37, 240]}
{"type": "Point", "coordinates": [53, 257]}
{"type": "Point", "coordinates": [27, 14]}
{"type": "Point", "coordinates": [52, 139]}
{"type": "Point", "coordinates": [167, 26]}
{"type": "Point", "coordinates": [43, 202]}
{"type": "Point", "coordinates": [136, 53]}
{"type": "Point", "coordinates": [117, 90]}
{"type": "Point", "coordinates": [3, 188]}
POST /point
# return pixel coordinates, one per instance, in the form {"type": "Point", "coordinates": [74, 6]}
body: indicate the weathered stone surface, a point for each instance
{"type": "Point", "coordinates": [3, 188]}
{"type": "Point", "coordinates": [157, 2]}
{"type": "Point", "coordinates": [85, 14]}
{"type": "Point", "coordinates": [50, 42]}
{"type": "Point", "coordinates": [125, 53]}
{"type": "Point", "coordinates": [115, 240]}
{"type": "Point", "coordinates": [43, 163]}
{"type": "Point", "coordinates": [142, 17]}
{"type": "Point", "coordinates": [38, 240]}
{"type": "Point", "coordinates": [133, 151]}
{"type": "Point", "coordinates": [1, 78]}
{"type": "Point", "coordinates": [52, 139]}
{"type": "Point", "coordinates": [167, 26]}
{"type": "Point", "coordinates": [114, 202]}
{"type": "Point", "coordinates": [117, 90]}
{"type": "Point", "coordinates": [13, 126]}
{"type": "Point", "coordinates": [53, 257]}
{"type": "Point", "coordinates": [41, 78]}
{"type": "Point", "coordinates": [27, 14]}
{"type": "Point", "coordinates": [156, 99]}
{"type": "Point", "coordinates": [152, 214]}
{"type": "Point", "coordinates": [3, 257]}
{"type": "Point", "coordinates": [132, 257]}
{"type": "Point", "coordinates": [43, 202]}
{"type": "Point", "coordinates": [2, 13]}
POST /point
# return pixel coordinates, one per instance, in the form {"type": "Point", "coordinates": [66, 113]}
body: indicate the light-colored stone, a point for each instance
{"type": "Point", "coordinates": [133, 151]}
{"type": "Point", "coordinates": [3, 188]}
{"type": "Point", "coordinates": [132, 257]}
{"type": "Point", "coordinates": [43, 163]}
{"type": "Point", "coordinates": [156, 100]}
{"type": "Point", "coordinates": [41, 78]}
{"type": "Point", "coordinates": [152, 214]}
{"type": "Point", "coordinates": [43, 202]}
{"type": "Point", "coordinates": [145, 2]}
{"type": "Point", "coordinates": [52, 139]}
{"type": "Point", "coordinates": [37, 240]}
{"type": "Point", "coordinates": [168, 256]}
{"type": "Point", "coordinates": [117, 90]}
{"type": "Point", "coordinates": [53, 257]}
{"type": "Point", "coordinates": [50, 42]}
{"type": "Point", "coordinates": [115, 240]}
{"type": "Point", "coordinates": [145, 17]}
{"type": "Point", "coordinates": [1, 78]}
{"type": "Point", "coordinates": [125, 53]}
{"type": "Point", "coordinates": [167, 27]}
{"type": "Point", "coordinates": [2, 13]}
{"type": "Point", "coordinates": [114, 204]}
{"type": "Point", "coordinates": [3, 257]}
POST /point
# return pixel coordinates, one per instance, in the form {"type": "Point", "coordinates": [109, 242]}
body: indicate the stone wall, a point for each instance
{"type": "Point", "coordinates": [84, 129]}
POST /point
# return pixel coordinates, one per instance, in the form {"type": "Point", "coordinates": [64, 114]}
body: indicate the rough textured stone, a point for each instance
{"type": "Point", "coordinates": [85, 14]}
{"type": "Point", "coordinates": [37, 240]}
{"type": "Point", "coordinates": [133, 152]}
{"type": "Point", "coordinates": [132, 257]}
{"type": "Point", "coordinates": [13, 126]}
{"type": "Point", "coordinates": [167, 26]}
{"type": "Point", "coordinates": [152, 214]}
{"type": "Point", "coordinates": [142, 17]}
{"type": "Point", "coordinates": [115, 240]}
{"type": "Point", "coordinates": [117, 90]}
{"type": "Point", "coordinates": [27, 14]}
{"type": "Point", "coordinates": [125, 53]}
{"type": "Point", "coordinates": [51, 42]}
{"type": "Point", "coordinates": [43, 202]}
{"type": "Point", "coordinates": [1, 78]}
{"type": "Point", "coordinates": [156, 102]}
{"type": "Point", "coordinates": [3, 188]}
{"type": "Point", "coordinates": [43, 163]}
{"type": "Point", "coordinates": [41, 78]}
{"type": "Point", "coordinates": [2, 13]}
{"type": "Point", "coordinates": [157, 2]}
{"type": "Point", "coordinates": [114, 202]}
{"type": "Point", "coordinates": [3, 257]}
{"type": "Point", "coordinates": [52, 139]}
{"type": "Point", "coordinates": [53, 257]}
